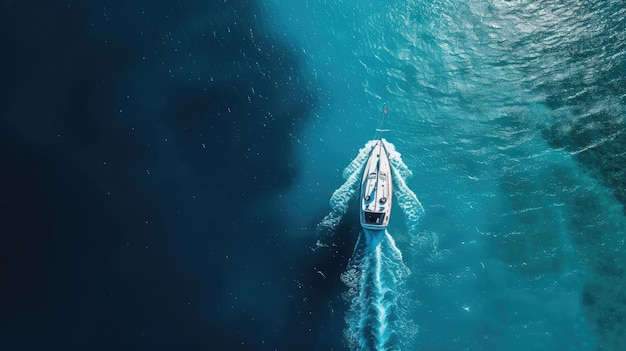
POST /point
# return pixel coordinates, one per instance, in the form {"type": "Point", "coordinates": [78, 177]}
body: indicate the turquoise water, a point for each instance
{"type": "Point", "coordinates": [166, 165]}
{"type": "Point", "coordinates": [511, 116]}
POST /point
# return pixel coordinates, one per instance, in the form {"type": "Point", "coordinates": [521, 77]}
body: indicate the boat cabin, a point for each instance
{"type": "Point", "coordinates": [373, 217]}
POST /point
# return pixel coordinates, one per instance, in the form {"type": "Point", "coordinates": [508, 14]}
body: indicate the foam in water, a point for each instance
{"type": "Point", "coordinates": [377, 318]}
{"type": "Point", "coordinates": [406, 198]}
{"type": "Point", "coordinates": [341, 197]}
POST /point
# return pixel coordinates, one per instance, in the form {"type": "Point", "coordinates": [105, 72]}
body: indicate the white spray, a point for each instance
{"type": "Point", "coordinates": [375, 275]}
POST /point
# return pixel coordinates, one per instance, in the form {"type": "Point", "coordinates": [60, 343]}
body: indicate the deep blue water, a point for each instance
{"type": "Point", "coordinates": [165, 166]}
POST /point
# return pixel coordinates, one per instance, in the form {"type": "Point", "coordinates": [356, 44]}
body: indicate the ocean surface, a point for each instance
{"type": "Point", "coordinates": [169, 170]}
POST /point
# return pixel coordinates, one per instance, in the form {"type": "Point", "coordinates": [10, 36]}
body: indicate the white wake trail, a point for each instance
{"type": "Point", "coordinates": [359, 161]}
{"type": "Point", "coordinates": [406, 198]}
{"type": "Point", "coordinates": [397, 254]}
{"type": "Point", "coordinates": [340, 199]}
{"type": "Point", "coordinates": [395, 158]}
{"type": "Point", "coordinates": [379, 317]}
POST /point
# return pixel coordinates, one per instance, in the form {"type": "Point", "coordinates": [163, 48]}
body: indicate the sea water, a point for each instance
{"type": "Point", "coordinates": [167, 164]}
{"type": "Point", "coordinates": [510, 115]}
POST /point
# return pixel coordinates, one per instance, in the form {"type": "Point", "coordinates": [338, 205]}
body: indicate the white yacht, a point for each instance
{"type": "Point", "coordinates": [376, 189]}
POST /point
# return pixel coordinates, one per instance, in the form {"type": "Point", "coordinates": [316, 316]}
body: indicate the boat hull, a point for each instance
{"type": "Point", "coordinates": [376, 189]}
